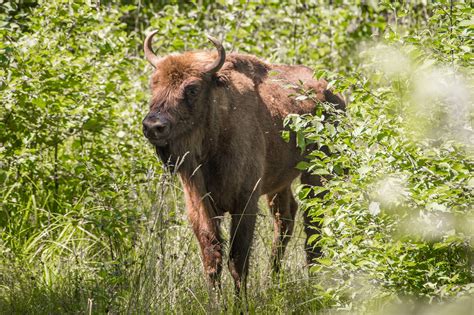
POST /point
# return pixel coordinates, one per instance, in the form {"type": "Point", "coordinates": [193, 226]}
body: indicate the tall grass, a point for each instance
{"type": "Point", "coordinates": [63, 269]}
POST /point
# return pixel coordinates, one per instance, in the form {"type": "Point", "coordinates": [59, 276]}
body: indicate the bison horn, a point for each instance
{"type": "Point", "coordinates": [152, 58]}
{"type": "Point", "coordinates": [217, 64]}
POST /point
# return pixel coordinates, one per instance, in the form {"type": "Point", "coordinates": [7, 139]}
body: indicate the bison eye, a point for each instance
{"type": "Point", "coordinates": [192, 90]}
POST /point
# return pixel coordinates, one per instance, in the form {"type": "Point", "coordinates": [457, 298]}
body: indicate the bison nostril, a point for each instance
{"type": "Point", "coordinates": [156, 129]}
{"type": "Point", "coordinates": [160, 128]}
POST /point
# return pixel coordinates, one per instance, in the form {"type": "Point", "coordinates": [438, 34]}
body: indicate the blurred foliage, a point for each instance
{"type": "Point", "coordinates": [83, 227]}
{"type": "Point", "coordinates": [402, 218]}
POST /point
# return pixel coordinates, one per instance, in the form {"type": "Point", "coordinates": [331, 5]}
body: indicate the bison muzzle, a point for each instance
{"type": "Point", "coordinates": [221, 117]}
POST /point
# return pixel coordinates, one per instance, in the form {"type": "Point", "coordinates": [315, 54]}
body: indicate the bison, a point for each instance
{"type": "Point", "coordinates": [217, 120]}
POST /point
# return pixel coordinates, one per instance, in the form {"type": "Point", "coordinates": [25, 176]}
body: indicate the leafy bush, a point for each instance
{"type": "Point", "coordinates": [401, 221]}
{"type": "Point", "coordinates": [71, 142]}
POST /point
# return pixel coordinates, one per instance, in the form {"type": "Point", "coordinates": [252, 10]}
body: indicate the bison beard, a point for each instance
{"type": "Point", "coordinates": [165, 156]}
{"type": "Point", "coordinates": [218, 121]}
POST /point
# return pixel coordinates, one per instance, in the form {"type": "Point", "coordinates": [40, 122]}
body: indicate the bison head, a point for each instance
{"type": "Point", "coordinates": [180, 88]}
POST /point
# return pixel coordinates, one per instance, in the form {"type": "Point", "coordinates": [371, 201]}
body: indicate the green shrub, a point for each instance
{"type": "Point", "coordinates": [400, 223]}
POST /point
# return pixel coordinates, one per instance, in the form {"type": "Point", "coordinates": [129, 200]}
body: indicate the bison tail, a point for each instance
{"type": "Point", "coordinates": [335, 99]}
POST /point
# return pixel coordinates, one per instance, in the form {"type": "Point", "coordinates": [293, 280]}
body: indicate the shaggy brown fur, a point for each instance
{"type": "Point", "coordinates": [225, 134]}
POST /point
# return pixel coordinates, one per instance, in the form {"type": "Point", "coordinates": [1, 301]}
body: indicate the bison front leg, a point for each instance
{"type": "Point", "coordinates": [241, 236]}
{"type": "Point", "coordinates": [211, 248]}
{"type": "Point", "coordinates": [283, 207]}
{"type": "Point", "coordinates": [205, 223]}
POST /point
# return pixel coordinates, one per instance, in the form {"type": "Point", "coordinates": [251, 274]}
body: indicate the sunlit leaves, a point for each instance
{"type": "Point", "coordinates": [404, 190]}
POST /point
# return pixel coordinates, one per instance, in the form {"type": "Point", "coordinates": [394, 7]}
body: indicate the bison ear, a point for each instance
{"type": "Point", "coordinates": [221, 79]}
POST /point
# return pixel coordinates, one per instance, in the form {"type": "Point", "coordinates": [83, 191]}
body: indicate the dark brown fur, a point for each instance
{"type": "Point", "coordinates": [227, 139]}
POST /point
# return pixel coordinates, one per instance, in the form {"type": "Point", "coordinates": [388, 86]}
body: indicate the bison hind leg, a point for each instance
{"type": "Point", "coordinates": [283, 207]}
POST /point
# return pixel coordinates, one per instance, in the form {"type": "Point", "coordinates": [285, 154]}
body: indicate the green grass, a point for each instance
{"type": "Point", "coordinates": [69, 270]}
